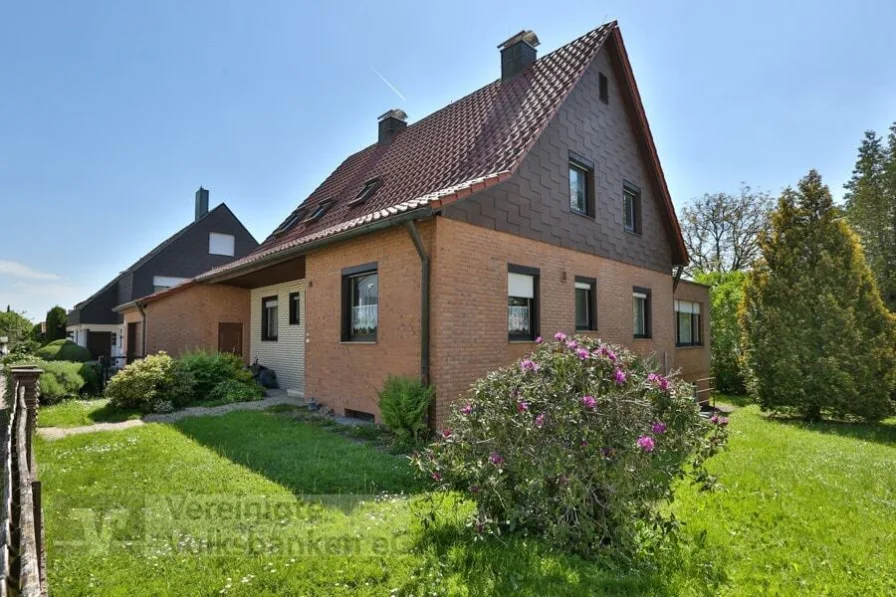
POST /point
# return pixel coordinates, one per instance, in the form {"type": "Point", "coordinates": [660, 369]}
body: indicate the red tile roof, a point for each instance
{"type": "Point", "coordinates": [472, 143]}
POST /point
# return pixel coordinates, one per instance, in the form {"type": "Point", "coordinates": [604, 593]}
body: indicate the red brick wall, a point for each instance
{"type": "Point", "coordinates": [469, 302]}
{"type": "Point", "coordinates": [347, 375]}
{"type": "Point", "coordinates": [694, 361]}
{"type": "Point", "coordinates": [188, 319]}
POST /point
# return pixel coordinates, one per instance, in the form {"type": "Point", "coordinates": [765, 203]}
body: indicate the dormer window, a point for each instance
{"type": "Point", "coordinates": [320, 210]}
{"type": "Point", "coordinates": [290, 221]}
{"type": "Point", "coordinates": [367, 191]}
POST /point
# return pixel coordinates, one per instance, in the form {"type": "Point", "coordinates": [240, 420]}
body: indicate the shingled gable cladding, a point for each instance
{"type": "Point", "coordinates": [486, 180]}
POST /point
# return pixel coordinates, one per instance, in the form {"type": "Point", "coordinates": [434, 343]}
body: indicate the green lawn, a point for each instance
{"type": "Point", "coordinates": [78, 413]}
{"type": "Point", "coordinates": [257, 503]}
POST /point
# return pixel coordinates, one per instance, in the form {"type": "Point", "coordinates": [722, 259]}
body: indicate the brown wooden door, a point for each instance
{"type": "Point", "coordinates": [230, 338]}
{"type": "Point", "coordinates": [99, 344]}
{"type": "Point", "coordinates": [132, 341]}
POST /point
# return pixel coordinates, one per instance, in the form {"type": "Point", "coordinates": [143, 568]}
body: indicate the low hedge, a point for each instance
{"type": "Point", "coordinates": [63, 350]}
{"type": "Point", "coordinates": [60, 379]}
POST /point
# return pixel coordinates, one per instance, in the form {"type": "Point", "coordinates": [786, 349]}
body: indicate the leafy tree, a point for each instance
{"type": "Point", "coordinates": [56, 321]}
{"type": "Point", "coordinates": [14, 326]}
{"type": "Point", "coordinates": [818, 338]}
{"type": "Point", "coordinates": [726, 294]}
{"type": "Point", "coordinates": [720, 230]}
{"type": "Point", "coordinates": [871, 208]}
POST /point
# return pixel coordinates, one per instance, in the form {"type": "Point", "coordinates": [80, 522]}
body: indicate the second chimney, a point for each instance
{"type": "Point", "coordinates": [517, 53]}
{"type": "Point", "coordinates": [201, 203]}
{"type": "Point", "coordinates": [391, 123]}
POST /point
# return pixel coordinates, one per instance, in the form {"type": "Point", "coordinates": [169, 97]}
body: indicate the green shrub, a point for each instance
{"type": "Point", "coordinates": [819, 340]}
{"type": "Point", "coordinates": [63, 350]}
{"type": "Point", "coordinates": [143, 383]}
{"type": "Point", "coordinates": [726, 293]}
{"type": "Point", "coordinates": [59, 380]}
{"type": "Point", "coordinates": [92, 372]}
{"type": "Point", "coordinates": [403, 403]}
{"type": "Point", "coordinates": [580, 444]}
{"type": "Point", "coordinates": [211, 368]}
{"type": "Point", "coordinates": [232, 390]}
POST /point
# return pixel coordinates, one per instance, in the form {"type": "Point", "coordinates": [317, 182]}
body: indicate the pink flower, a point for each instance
{"type": "Point", "coordinates": [474, 489]}
{"type": "Point", "coordinates": [496, 459]}
{"type": "Point", "coordinates": [572, 345]}
{"type": "Point", "coordinates": [467, 409]}
{"type": "Point", "coordinates": [446, 433]}
{"type": "Point", "coordinates": [620, 377]}
{"type": "Point", "coordinates": [589, 401]}
{"type": "Point", "coordinates": [659, 380]}
{"type": "Point", "coordinates": [539, 340]}
{"type": "Point", "coordinates": [582, 353]}
{"type": "Point", "coordinates": [645, 442]}
{"type": "Point", "coordinates": [437, 476]}
{"type": "Point", "coordinates": [584, 443]}
{"type": "Point", "coordinates": [717, 420]}
{"type": "Point", "coordinates": [529, 365]}
{"type": "Point", "coordinates": [559, 336]}
{"type": "Point", "coordinates": [659, 427]}
{"type": "Point", "coordinates": [539, 421]}
{"type": "Point", "coordinates": [522, 407]}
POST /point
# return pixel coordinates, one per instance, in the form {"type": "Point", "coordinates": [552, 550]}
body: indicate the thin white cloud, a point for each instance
{"type": "Point", "coordinates": [391, 86]}
{"type": "Point", "coordinates": [20, 270]}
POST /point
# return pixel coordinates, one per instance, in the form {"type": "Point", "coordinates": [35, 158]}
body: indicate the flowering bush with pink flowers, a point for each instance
{"type": "Point", "coordinates": [580, 443]}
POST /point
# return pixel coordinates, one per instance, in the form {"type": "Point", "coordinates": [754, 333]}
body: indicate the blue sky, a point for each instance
{"type": "Point", "coordinates": [113, 113]}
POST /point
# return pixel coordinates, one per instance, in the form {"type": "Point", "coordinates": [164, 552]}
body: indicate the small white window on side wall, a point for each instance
{"type": "Point", "coordinates": [220, 244]}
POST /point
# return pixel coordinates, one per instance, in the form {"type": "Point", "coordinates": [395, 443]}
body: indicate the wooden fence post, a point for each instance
{"type": "Point", "coordinates": [26, 378]}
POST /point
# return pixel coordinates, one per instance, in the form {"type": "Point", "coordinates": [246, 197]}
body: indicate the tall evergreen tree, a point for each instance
{"type": "Point", "coordinates": [871, 208]}
{"type": "Point", "coordinates": [818, 338]}
{"type": "Point", "coordinates": [56, 321]}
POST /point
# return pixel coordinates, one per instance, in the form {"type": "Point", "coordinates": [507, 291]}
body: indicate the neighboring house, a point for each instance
{"type": "Point", "coordinates": [214, 238]}
{"type": "Point", "coordinates": [534, 205]}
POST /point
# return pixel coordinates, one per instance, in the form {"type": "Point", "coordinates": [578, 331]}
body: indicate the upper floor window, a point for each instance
{"type": "Point", "coordinates": [320, 210]}
{"type": "Point", "coordinates": [641, 312]}
{"type": "Point", "coordinates": [360, 303]}
{"type": "Point", "coordinates": [522, 302]}
{"type": "Point", "coordinates": [581, 185]}
{"type": "Point", "coordinates": [687, 324]}
{"type": "Point", "coordinates": [270, 313]}
{"type": "Point", "coordinates": [604, 88]}
{"type": "Point", "coordinates": [160, 283]}
{"type": "Point", "coordinates": [631, 208]}
{"type": "Point", "coordinates": [220, 244]}
{"type": "Point", "coordinates": [586, 303]}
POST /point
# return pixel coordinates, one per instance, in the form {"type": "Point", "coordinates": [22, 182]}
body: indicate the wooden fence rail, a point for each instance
{"type": "Point", "coordinates": [22, 558]}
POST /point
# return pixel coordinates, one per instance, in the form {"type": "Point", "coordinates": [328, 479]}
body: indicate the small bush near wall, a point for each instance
{"type": "Point", "coordinates": [232, 390]}
{"type": "Point", "coordinates": [580, 443]}
{"type": "Point", "coordinates": [152, 380]}
{"type": "Point", "coordinates": [403, 402]}
{"type": "Point", "coordinates": [63, 350]}
{"type": "Point", "coordinates": [211, 368]}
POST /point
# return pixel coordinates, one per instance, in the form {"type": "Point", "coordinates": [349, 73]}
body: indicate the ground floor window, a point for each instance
{"type": "Point", "coordinates": [586, 303]}
{"type": "Point", "coordinates": [360, 303]}
{"type": "Point", "coordinates": [641, 312]}
{"type": "Point", "coordinates": [522, 302]}
{"type": "Point", "coordinates": [270, 312]}
{"type": "Point", "coordinates": [687, 319]}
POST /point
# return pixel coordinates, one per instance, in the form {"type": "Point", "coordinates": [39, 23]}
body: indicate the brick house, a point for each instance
{"type": "Point", "coordinates": [536, 204]}
{"type": "Point", "coordinates": [214, 238]}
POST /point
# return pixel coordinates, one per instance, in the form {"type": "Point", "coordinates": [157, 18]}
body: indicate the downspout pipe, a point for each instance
{"type": "Point", "coordinates": [677, 278]}
{"type": "Point", "coordinates": [424, 300]}
{"type": "Point", "coordinates": [143, 330]}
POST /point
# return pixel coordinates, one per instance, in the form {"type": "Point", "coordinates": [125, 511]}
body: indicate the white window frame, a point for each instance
{"type": "Point", "coordinates": [221, 244]}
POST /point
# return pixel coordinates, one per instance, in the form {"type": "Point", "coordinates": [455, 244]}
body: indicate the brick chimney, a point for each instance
{"type": "Point", "coordinates": [390, 124]}
{"type": "Point", "coordinates": [201, 203]}
{"type": "Point", "coordinates": [517, 53]}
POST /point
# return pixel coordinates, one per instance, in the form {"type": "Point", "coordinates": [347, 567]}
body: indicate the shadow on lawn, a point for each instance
{"type": "Point", "coordinates": [882, 433]}
{"type": "Point", "coordinates": [511, 564]}
{"type": "Point", "coordinates": [110, 414]}
{"type": "Point", "coordinates": [307, 460]}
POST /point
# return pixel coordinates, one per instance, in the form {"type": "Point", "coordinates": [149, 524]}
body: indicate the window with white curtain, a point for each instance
{"type": "Point", "coordinates": [641, 312]}
{"type": "Point", "coordinates": [522, 303]}
{"type": "Point", "coordinates": [221, 244]}
{"type": "Point", "coordinates": [687, 324]}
